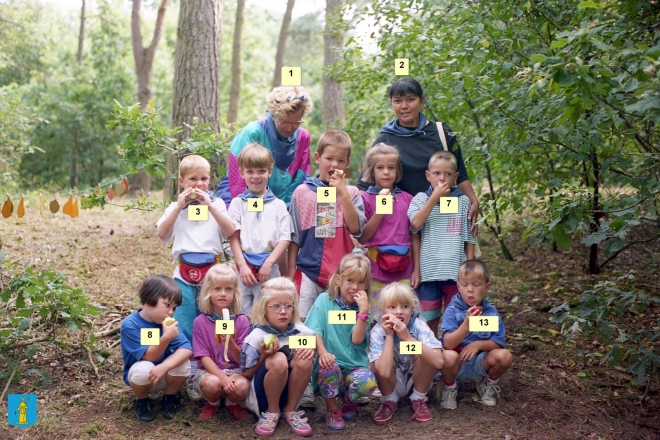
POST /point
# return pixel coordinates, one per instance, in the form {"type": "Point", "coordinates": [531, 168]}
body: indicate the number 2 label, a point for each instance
{"type": "Point", "coordinates": [401, 66]}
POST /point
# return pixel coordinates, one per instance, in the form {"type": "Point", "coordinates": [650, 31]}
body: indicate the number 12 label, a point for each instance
{"type": "Point", "coordinates": [326, 194]}
{"type": "Point", "coordinates": [484, 324]}
{"type": "Point", "coordinates": [302, 342]}
{"type": "Point", "coordinates": [198, 213]}
{"type": "Point", "coordinates": [410, 347]}
{"type": "Point", "coordinates": [448, 205]}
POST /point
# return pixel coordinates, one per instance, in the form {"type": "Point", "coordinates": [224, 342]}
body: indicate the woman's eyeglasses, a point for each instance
{"type": "Point", "coordinates": [290, 124]}
{"type": "Point", "coordinates": [279, 307]}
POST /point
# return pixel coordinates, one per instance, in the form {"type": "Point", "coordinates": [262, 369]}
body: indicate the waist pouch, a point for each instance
{"type": "Point", "coordinates": [194, 265]}
{"type": "Point", "coordinates": [393, 258]}
{"type": "Point", "coordinates": [254, 261]}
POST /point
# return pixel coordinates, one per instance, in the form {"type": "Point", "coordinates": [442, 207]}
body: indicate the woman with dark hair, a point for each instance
{"type": "Point", "coordinates": [417, 139]}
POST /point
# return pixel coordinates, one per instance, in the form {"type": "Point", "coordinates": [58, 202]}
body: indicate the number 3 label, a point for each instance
{"type": "Point", "coordinates": [384, 205]}
{"type": "Point", "coordinates": [198, 213]}
{"type": "Point", "coordinates": [448, 205]}
{"type": "Point", "coordinates": [326, 195]}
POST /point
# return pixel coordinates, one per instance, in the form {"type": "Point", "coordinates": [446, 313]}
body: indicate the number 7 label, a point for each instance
{"type": "Point", "coordinates": [448, 205]}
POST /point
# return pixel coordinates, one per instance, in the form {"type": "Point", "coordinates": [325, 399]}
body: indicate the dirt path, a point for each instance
{"type": "Point", "coordinates": [108, 252]}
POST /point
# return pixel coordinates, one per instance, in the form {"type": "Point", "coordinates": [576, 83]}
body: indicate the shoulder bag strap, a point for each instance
{"type": "Point", "coordinates": [443, 139]}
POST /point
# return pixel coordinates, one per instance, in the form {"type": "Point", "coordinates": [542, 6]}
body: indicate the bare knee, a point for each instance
{"type": "Point", "coordinates": [277, 363]}
{"type": "Point", "coordinates": [211, 384]}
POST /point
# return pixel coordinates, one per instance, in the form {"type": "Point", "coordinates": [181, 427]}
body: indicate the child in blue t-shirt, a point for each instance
{"type": "Point", "coordinates": [481, 355]}
{"type": "Point", "coordinates": [164, 367]}
{"type": "Point", "coordinates": [343, 367]}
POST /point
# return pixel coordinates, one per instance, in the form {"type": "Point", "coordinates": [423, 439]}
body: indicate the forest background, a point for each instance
{"type": "Point", "coordinates": [556, 104]}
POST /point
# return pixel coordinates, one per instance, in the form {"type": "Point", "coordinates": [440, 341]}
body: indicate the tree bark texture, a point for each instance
{"type": "Point", "coordinates": [196, 74]}
{"type": "Point", "coordinates": [144, 60]}
{"type": "Point", "coordinates": [81, 34]}
{"type": "Point", "coordinates": [333, 92]}
{"type": "Point", "coordinates": [235, 92]}
{"type": "Point", "coordinates": [281, 43]}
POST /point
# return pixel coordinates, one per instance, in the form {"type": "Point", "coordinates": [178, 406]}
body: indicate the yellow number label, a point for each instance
{"type": "Point", "coordinates": [302, 342]}
{"type": "Point", "coordinates": [198, 213]}
{"type": "Point", "coordinates": [326, 194]}
{"type": "Point", "coordinates": [410, 347]}
{"type": "Point", "coordinates": [484, 323]}
{"type": "Point", "coordinates": [149, 336]}
{"type": "Point", "coordinates": [291, 76]}
{"type": "Point", "coordinates": [255, 205]}
{"type": "Point", "coordinates": [448, 205]}
{"type": "Point", "coordinates": [384, 205]}
{"type": "Point", "coordinates": [342, 316]}
{"type": "Point", "coordinates": [224, 327]}
{"type": "Point", "coordinates": [401, 66]}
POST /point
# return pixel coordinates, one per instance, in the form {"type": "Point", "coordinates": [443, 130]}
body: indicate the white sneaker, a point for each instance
{"type": "Point", "coordinates": [448, 399]}
{"type": "Point", "coordinates": [487, 391]}
{"type": "Point", "coordinates": [191, 386]}
{"type": "Point", "coordinates": [308, 400]}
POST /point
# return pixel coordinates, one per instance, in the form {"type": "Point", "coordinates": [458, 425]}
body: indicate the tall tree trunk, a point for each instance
{"type": "Point", "coordinates": [333, 92]}
{"type": "Point", "coordinates": [596, 209]}
{"type": "Point", "coordinates": [281, 43]}
{"type": "Point", "coordinates": [196, 74]}
{"type": "Point", "coordinates": [235, 92]}
{"type": "Point", "coordinates": [81, 34]}
{"type": "Point", "coordinates": [144, 60]}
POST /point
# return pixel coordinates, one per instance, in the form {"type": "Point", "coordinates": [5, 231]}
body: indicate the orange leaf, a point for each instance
{"type": "Point", "coordinates": [74, 209]}
{"type": "Point", "coordinates": [111, 194]}
{"type": "Point", "coordinates": [21, 208]}
{"type": "Point", "coordinates": [66, 210]}
{"type": "Point", "coordinates": [120, 189]}
{"type": "Point", "coordinates": [7, 208]}
{"type": "Point", "coordinates": [125, 182]}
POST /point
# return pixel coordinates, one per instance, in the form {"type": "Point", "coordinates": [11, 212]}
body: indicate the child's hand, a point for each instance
{"type": "Point", "coordinates": [474, 311]}
{"type": "Point", "coordinates": [227, 384]}
{"type": "Point", "coordinates": [264, 271]}
{"type": "Point", "coordinates": [202, 197]}
{"type": "Point", "coordinates": [469, 351]}
{"type": "Point", "coordinates": [441, 190]}
{"type": "Point", "coordinates": [415, 279]}
{"type": "Point", "coordinates": [327, 360]}
{"type": "Point", "coordinates": [362, 300]}
{"type": "Point", "coordinates": [157, 373]}
{"type": "Point", "coordinates": [384, 192]}
{"type": "Point", "coordinates": [270, 351]}
{"type": "Point", "coordinates": [305, 353]}
{"type": "Point", "coordinates": [400, 329]}
{"type": "Point", "coordinates": [171, 331]}
{"type": "Point", "coordinates": [247, 277]}
{"type": "Point", "coordinates": [386, 323]}
{"type": "Point", "coordinates": [183, 198]}
{"type": "Point", "coordinates": [338, 180]}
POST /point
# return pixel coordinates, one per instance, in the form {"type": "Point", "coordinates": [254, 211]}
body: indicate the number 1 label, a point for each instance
{"type": "Point", "coordinates": [448, 205]}
{"type": "Point", "coordinates": [198, 213]}
{"type": "Point", "coordinates": [384, 205]}
{"type": "Point", "coordinates": [291, 76]}
{"type": "Point", "coordinates": [326, 194]}
{"type": "Point", "coordinates": [255, 205]}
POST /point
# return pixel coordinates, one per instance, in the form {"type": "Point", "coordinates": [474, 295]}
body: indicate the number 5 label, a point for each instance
{"type": "Point", "coordinates": [302, 342]}
{"type": "Point", "coordinates": [448, 205]}
{"type": "Point", "coordinates": [384, 205]}
{"type": "Point", "coordinates": [255, 205]}
{"type": "Point", "coordinates": [224, 327]}
{"type": "Point", "coordinates": [326, 194]}
{"type": "Point", "coordinates": [198, 213]}
{"type": "Point", "coordinates": [484, 324]}
{"type": "Point", "coordinates": [410, 347]}
{"type": "Point", "coordinates": [149, 336]}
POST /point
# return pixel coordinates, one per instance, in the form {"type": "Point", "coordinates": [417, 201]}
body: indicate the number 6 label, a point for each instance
{"type": "Point", "coordinates": [326, 194]}
{"type": "Point", "coordinates": [448, 205]}
{"type": "Point", "coordinates": [198, 213]}
{"type": "Point", "coordinates": [484, 324]}
{"type": "Point", "coordinates": [302, 341]}
{"type": "Point", "coordinates": [384, 205]}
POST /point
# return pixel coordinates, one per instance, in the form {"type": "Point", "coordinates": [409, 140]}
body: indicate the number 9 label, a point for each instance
{"type": "Point", "coordinates": [198, 213]}
{"type": "Point", "coordinates": [326, 195]}
{"type": "Point", "coordinates": [223, 327]}
{"type": "Point", "coordinates": [448, 205]}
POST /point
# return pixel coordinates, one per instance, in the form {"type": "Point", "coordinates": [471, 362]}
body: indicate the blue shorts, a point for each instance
{"type": "Point", "coordinates": [472, 369]}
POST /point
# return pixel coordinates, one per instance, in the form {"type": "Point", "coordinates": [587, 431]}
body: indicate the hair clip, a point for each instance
{"type": "Point", "coordinates": [357, 250]}
{"type": "Point", "coordinates": [302, 98]}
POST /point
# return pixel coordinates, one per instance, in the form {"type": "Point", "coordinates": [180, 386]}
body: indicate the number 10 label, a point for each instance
{"type": "Point", "coordinates": [198, 213]}
{"type": "Point", "coordinates": [448, 205]}
{"type": "Point", "coordinates": [302, 341]}
{"type": "Point", "coordinates": [484, 324]}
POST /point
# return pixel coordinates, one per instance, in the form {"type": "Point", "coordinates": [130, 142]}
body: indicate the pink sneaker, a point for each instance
{"type": "Point", "coordinates": [208, 412]}
{"type": "Point", "coordinates": [334, 421]}
{"type": "Point", "coordinates": [349, 411]}
{"type": "Point", "coordinates": [266, 425]}
{"type": "Point", "coordinates": [297, 423]}
{"type": "Point", "coordinates": [385, 412]}
{"type": "Point", "coordinates": [422, 411]}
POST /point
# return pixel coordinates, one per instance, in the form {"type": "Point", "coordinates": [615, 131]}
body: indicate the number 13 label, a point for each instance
{"type": "Point", "coordinates": [483, 324]}
{"type": "Point", "coordinates": [198, 213]}
{"type": "Point", "coordinates": [326, 194]}
{"type": "Point", "coordinates": [448, 205]}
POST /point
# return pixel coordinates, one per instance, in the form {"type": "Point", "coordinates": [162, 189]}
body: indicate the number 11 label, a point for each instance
{"type": "Point", "coordinates": [342, 317]}
{"type": "Point", "coordinates": [198, 213]}
{"type": "Point", "coordinates": [484, 324]}
{"type": "Point", "coordinates": [448, 205]}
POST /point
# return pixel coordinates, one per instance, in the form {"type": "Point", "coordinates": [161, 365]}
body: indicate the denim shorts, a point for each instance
{"type": "Point", "coordinates": [472, 369]}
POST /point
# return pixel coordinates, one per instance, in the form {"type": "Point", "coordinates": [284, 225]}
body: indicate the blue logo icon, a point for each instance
{"type": "Point", "coordinates": [22, 409]}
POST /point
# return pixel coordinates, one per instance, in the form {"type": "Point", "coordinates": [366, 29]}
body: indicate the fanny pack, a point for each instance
{"type": "Point", "coordinates": [393, 258]}
{"type": "Point", "coordinates": [254, 261]}
{"type": "Point", "coordinates": [194, 265]}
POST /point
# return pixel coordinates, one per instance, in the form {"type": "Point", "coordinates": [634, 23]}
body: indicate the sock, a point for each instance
{"type": "Point", "coordinates": [229, 402]}
{"type": "Point", "coordinates": [216, 403]}
{"type": "Point", "coordinates": [449, 385]}
{"type": "Point", "coordinates": [416, 395]}
{"type": "Point", "coordinates": [391, 398]}
{"type": "Point", "coordinates": [491, 380]}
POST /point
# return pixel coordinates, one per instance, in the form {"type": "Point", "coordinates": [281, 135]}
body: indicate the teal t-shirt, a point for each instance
{"type": "Point", "coordinates": [337, 337]}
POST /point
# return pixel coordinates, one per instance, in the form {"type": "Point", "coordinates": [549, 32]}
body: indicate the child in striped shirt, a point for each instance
{"type": "Point", "coordinates": [446, 237]}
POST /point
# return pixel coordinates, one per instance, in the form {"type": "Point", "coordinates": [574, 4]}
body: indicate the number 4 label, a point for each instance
{"type": "Point", "coordinates": [255, 205]}
{"type": "Point", "coordinates": [302, 342]}
{"type": "Point", "coordinates": [484, 324]}
{"type": "Point", "coordinates": [448, 205]}
{"type": "Point", "coordinates": [198, 213]}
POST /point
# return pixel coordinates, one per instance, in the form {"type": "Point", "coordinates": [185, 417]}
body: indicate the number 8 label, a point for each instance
{"type": "Point", "coordinates": [149, 336]}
